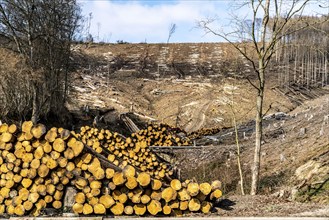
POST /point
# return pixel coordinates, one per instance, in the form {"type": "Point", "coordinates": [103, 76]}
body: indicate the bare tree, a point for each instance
{"type": "Point", "coordinates": [42, 32]}
{"type": "Point", "coordinates": [172, 29]}
{"type": "Point", "coordinates": [276, 23]}
{"type": "Point", "coordinates": [231, 104]}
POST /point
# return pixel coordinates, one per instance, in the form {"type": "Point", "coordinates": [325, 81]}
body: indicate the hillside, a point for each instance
{"type": "Point", "coordinates": [200, 86]}
{"type": "Point", "coordinates": [183, 96]}
{"type": "Point", "coordinates": [296, 127]}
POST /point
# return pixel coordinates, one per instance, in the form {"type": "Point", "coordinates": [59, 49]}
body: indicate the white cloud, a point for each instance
{"type": "Point", "coordinates": [134, 21]}
{"type": "Point", "coordinates": [137, 21]}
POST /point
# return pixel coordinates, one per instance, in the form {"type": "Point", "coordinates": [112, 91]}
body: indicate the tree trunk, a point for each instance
{"type": "Point", "coordinates": [238, 153]}
{"type": "Point", "coordinates": [65, 84]}
{"type": "Point", "coordinates": [258, 140]}
{"type": "Point", "coordinates": [34, 117]}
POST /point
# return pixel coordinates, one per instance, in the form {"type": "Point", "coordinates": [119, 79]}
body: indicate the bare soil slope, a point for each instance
{"type": "Point", "coordinates": [296, 141]}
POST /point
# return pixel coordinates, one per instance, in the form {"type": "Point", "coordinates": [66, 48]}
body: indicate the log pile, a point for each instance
{"type": "Point", "coordinates": [134, 150]}
{"type": "Point", "coordinates": [132, 193]}
{"type": "Point", "coordinates": [112, 174]}
{"type": "Point", "coordinates": [36, 165]}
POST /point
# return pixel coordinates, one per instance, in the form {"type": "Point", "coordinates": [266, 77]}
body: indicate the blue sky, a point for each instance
{"type": "Point", "coordinates": [149, 20]}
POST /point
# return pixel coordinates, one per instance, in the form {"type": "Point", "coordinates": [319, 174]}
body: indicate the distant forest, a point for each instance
{"type": "Point", "coordinates": [302, 55]}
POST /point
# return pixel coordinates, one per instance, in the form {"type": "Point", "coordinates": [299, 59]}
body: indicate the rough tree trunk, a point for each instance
{"type": "Point", "coordinates": [34, 117]}
{"type": "Point", "coordinates": [258, 140]}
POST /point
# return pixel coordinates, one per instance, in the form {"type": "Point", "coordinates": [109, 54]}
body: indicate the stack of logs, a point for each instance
{"type": "Point", "coordinates": [113, 174]}
{"type": "Point", "coordinates": [36, 165]}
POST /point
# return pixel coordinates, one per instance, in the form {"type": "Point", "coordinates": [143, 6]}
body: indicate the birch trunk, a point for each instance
{"type": "Point", "coordinates": [258, 139]}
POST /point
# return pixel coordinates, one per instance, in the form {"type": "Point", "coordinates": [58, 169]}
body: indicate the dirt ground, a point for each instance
{"type": "Point", "coordinates": [263, 205]}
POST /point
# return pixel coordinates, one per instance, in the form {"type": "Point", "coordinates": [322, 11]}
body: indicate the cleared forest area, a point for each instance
{"type": "Point", "coordinates": [152, 129]}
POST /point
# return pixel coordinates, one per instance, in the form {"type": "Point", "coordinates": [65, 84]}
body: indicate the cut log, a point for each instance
{"type": "Point", "coordinates": [80, 183]}
{"type": "Point", "coordinates": [107, 201]}
{"type": "Point", "coordinates": [183, 205]}
{"type": "Point", "coordinates": [59, 145]}
{"type": "Point", "coordinates": [95, 184]}
{"type": "Point", "coordinates": [26, 182]}
{"type": "Point", "coordinates": [99, 209]}
{"type": "Point", "coordinates": [27, 126]}
{"type": "Point", "coordinates": [62, 162]}
{"type": "Point", "coordinates": [156, 195]}
{"type": "Point", "coordinates": [123, 198]}
{"type": "Point", "coordinates": [176, 184]}
{"type": "Point", "coordinates": [144, 179]}
{"type": "Point", "coordinates": [109, 173]}
{"type": "Point", "coordinates": [166, 210]}
{"type": "Point", "coordinates": [128, 210]}
{"type": "Point", "coordinates": [145, 199]}
{"type": "Point", "coordinates": [51, 136]}
{"type": "Point", "coordinates": [156, 184]}
{"type": "Point", "coordinates": [205, 188]}
{"type": "Point", "coordinates": [87, 209]}
{"type": "Point", "coordinates": [69, 153]}
{"type": "Point", "coordinates": [77, 148]}
{"type": "Point", "coordinates": [216, 194]}
{"type": "Point", "coordinates": [57, 204]}
{"type": "Point", "coordinates": [206, 207]}
{"type": "Point", "coordinates": [51, 189]}
{"type": "Point", "coordinates": [51, 163]}
{"type": "Point", "coordinates": [216, 184]}
{"type": "Point", "coordinates": [33, 197]}
{"type": "Point", "coordinates": [129, 171]}
{"type": "Point", "coordinates": [183, 195]}
{"type": "Point", "coordinates": [77, 208]}
{"type": "Point", "coordinates": [38, 130]}
{"type": "Point", "coordinates": [154, 207]}
{"type": "Point", "coordinates": [35, 163]}
{"type": "Point", "coordinates": [6, 137]}
{"type": "Point", "coordinates": [117, 209]}
{"type": "Point", "coordinates": [140, 209]}
{"type": "Point", "coordinates": [131, 183]}
{"type": "Point", "coordinates": [80, 198]}
{"type": "Point", "coordinates": [194, 205]}
{"type": "Point", "coordinates": [168, 194]}
{"type": "Point", "coordinates": [12, 129]}
{"type": "Point", "coordinates": [28, 205]}
{"type": "Point", "coordinates": [49, 199]}
{"type": "Point", "coordinates": [193, 189]}
{"type": "Point", "coordinates": [118, 179]}
{"type": "Point", "coordinates": [58, 195]}
{"type": "Point", "coordinates": [3, 128]}
{"type": "Point", "coordinates": [19, 210]}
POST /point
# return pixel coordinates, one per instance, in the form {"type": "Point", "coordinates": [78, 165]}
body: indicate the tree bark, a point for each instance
{"type": "Point", "coordinates": [34, 117]}
{"type": "Point", "coordinates": [238, 153]}
{"type": "Point", "coordinates": [258, 139]}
